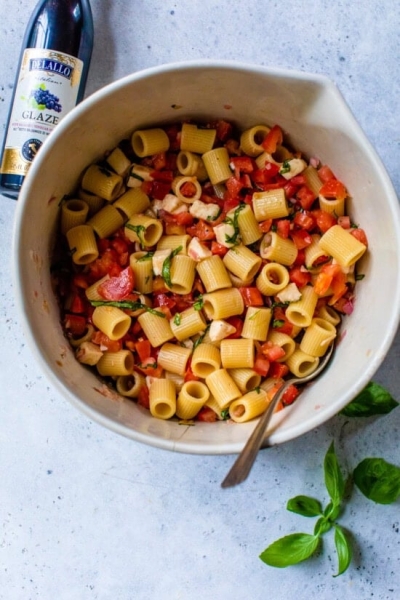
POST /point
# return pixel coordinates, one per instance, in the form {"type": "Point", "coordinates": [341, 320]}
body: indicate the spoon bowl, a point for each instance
{"type": "Point", "coordinates": [243, 464]}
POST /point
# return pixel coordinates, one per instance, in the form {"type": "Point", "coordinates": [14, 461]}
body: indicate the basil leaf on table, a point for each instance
{"type": "Point", "coordinates": [378, 480]}
{"type": "Point", "coordinates": [290, 550]}
{"type": "Point", "coordinates": [305, 506]}
{"type": "Point", "coordinates": [333, 477]}
{"type": "Point", "coordinates": [343, 550]}
{"type": "Point", "coordinates": [372, 400]}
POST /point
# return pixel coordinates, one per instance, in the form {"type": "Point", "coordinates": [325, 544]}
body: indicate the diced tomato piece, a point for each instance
{"type": "Point", "coordinates": [143, 348]}
{"type": "Point", "coordinates": [300, 258]}
{"type": "Point", "coordinates": [188, 189]}
{"type": "Point", "coordinates": [325, 277]}
{"type": "Point", "coordinates": [290, 395]}
{"type": "Point", "coordinates": [344, 222]}
{"type": "Point", "coordinates": [324, 219]}
{"type": "Point", "coordinates": [103, 244]}
{"type": "Point", "coordinates": [161, 299]}
{"type": "Point", "coordinates": [272, 351]}
{"type": "Point", "coordinates": [150, 367]}
{"type": "Point", "coordinates": [182, 218]}
{"type": "Point", "coordinates": [306, 197]}
{"type": "Point", "coordinates": [224, 130]}
{"type": "Point", "coordinates": [325, 174]}
{"type": "Point", "coordinates": [162, 177]}
{"type": "Point", "coordinates": [290, 189]}
{"type": "Point", "coordinates": [202, 230]}
{"type": "Point", "coordinates": [242, 164]}
{"type": "Point", "coordinates": [280, 321]}
{"type": "Point", "coordinates": [80, 281]}
{"type": "Point", "coordinates": [283, 228]}
{"type": "Point", "coordinates": [233, 186]}
{"type": "Point", "coordinates": [102, 340]}
{"type": "Point", "coordinates": [299, 180]}
{"type": "Point", "coordinates": [278, 370]}
{"type": "Point", "coordinates": [299, 276]}
{"type": "Point", "coordinates": [230, 204]}
{"type": "Point", "coordinates": [304, 219]}
{"type": "Point", "coordinates": [77, 304]}
{"type": "Point", "coordinates": [117, 288]}
{"type": "Point", "coordinates": [266, 225]}
{"type": "Point", "coordinates": [251, 296]}
{"type": "Point", "coordinates": [206, 415]}
{"type": "Point", "coordinates": [333, 189]}
{"type": "Point", "coordinates": [106, 264]}
{"type": "Point", "coordinates": [270, 171]}
{"type": "Point", "coordinates": [236, 322]}
{"type": "Point", "coordinates": [339, 287]}
{"type": "Point", "coordinates": [160, 189]}
{"type": "Point", "coordinates": [160, 161]}
{"type": "Point", "coordinates": [360, 235]}
{"type": "Point", "coordinates": [75, 324]}
{"type": "Point", "coordinates": [273, 139]}
{"type": "Point", "coordinates": [144, 397]}
{"type": "Point", "coordinates": [301, 238]}
{"type": "Point", "coordinates": [261, 365]}
{"type": "Point", "coordinates": [219, 249]}
{"type": "Point", "coordinates": [147, 187]}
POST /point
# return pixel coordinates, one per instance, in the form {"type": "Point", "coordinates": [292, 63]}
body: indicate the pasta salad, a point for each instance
{"type": "Point", "coordinates": [199, 265]}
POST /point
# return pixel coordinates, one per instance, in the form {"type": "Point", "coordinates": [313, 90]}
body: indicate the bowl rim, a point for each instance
{"type": "Point", "coordinates": [17, 252]}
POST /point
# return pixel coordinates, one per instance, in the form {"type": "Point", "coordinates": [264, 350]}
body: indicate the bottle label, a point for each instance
{"type": "Point", "coordinates": [46, 91]}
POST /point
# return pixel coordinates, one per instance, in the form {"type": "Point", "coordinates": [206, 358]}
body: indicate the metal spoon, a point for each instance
{"type": "Point", "coordinates": [243, 464]}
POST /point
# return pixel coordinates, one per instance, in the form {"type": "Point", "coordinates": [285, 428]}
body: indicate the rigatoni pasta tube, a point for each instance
{"type": "Point", "coordinates": [186, 193]}
{"type": "Point", "coordinates": [245, 379]}
{"type": "Point", "coordinates": [277, 249]}
{"type": "Point", "coordinates": [107, 221]}
{"type": "Point", "coordinates": [270, 205]}
{"type": "Point", "coordinates": [317, 337]}
{"type": "Point", "coordinates": [162, 398]}
{"type": "Point", "coordinates": [116, 363]}
{"type": "Point", "coordinates": [313, 252]}
{"type": "Point", "coordinates": [142, 267]}
{"type": "Point", "coordinates": [222, 387]}
{"type": "Point", "coordinates": [77, 340]}
{"type": "Point", "coordinates": [251, 140]}
{"type": "Point", "coordinates": [143, 229]}
{"type": "Point", "coordinates": [301, 312]}
{"type": "Point", "coordinates": [191, 398]}
{"type": "Point", "coordinates": [156, 328]}
{"type": "Point", "coordinates": [119, 162]}
{"type": "Point", "coordinates": [132, 202]}
{"type": "Point", "coordinates": [284, 341]}
{"type": "Point", "coordinates": [213, 273]}
{"type": "Point", "coordinates": [182, 274]}
{"type": "Point", "coordinates": [189, 163]}
{"type": "Point", "coordinates": [334, 206]}
{"type": "Point", "coordinates": [102, 182]}
{"type": "Point", "coordinates": [272, 279]}
{"type": "Point", "coordinates": [217, 164]}
{"type": "Point", "coordinates": [249, 406]}
{"type": "Point", "coordinates": [223, 303]}
{"type": "Point", "coordinates": [328, 314]}
{"type": "Point", "coordinates": [146, 142]}
{"type": "Point", "coordinates": [112, 321]}
{"type": "Point", "coordinates": [194, 139]}
{"type": "Point", "coordinates": [205, 360]}
{"type": "Point", "coordinates": [73, 213]}
{"type": "Point", "coordinates": [173, 358]}
{"type": "Point", "coordinates": [82, 244]}
{"type": "Point", "coordinates": [256, 323]}
{"type": "Point", "coordinates": [170, 242]}
{"type": "Point", "coordinates": [342, 246]}
{"type": "Point", "coordinates": [92, 293]}
{"type": "Point", "coordinates": [313, 181]}
{"type": "Point", "coordinates": [187, 324]}
{"type": "Point", "coordinates": [94, 202]}
{"type": "Point", "coordinates": [130, 385]}
{"type": "Point", "coordinates": [250, 232]}
{"type": "Point", "coordinates": [237, 353]}
{"type": "Point", "coordinates": [302, 364]}
{"type": "Point", "coordinates": [242, 262]}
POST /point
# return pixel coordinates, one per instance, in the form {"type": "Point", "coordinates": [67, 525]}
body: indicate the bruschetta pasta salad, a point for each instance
{"type": "Point", "coordinates": [198, 266]}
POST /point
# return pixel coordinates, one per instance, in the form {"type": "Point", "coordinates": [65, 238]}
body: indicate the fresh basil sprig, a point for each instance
{"type": "Point", "coordinates": [372, 400]}
{"type": "Point", "coordinates": [138, 229]}
{"type": "Point", "coordinates": [129, 304]}
{"type": "Point", "coordinates": [166, 268]}
{"type": "Point", "coordinates": [296, 547]}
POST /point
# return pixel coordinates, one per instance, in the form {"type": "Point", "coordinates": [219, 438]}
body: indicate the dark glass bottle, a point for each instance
{"type": "Point", "coordinates": [51, 79]}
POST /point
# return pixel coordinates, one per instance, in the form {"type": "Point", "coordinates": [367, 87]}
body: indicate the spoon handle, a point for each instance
{"type": "Point", "coordinates": [243, 464]}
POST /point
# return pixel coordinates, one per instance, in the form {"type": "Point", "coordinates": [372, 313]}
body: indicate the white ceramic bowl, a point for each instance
{"type": "Point", "coordinates": [313, 112]}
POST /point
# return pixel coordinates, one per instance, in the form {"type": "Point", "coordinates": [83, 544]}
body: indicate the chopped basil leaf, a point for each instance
{"type": "Point", "coordinates": [105, 172]}
{"type": "Point", "coordinates": [147, 256]}
{"type": "Point", "coordinates": [225, 414]}
{"type": "Point", "coordinates": [359, 276]}
{"type": "Point", "coordinates": [177, 319]}
{"type": "Point", "coordinates": [138, 229]}
{"type": "Point", "coordinates": [129, 304]}
{"type": "Point", "coordinates": [278, 323]}
{"type": "Point", "coordinates": [285, 167]}
{"type": "Point", "coordinates": [166, 268]}
{"type": "Point", "coordinates": [198, 305]}
{"type": "Point", "coordinates": [233, 239]}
